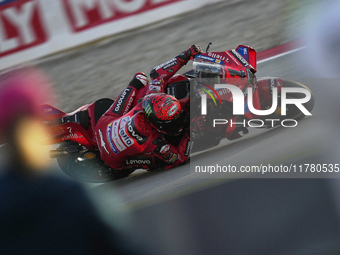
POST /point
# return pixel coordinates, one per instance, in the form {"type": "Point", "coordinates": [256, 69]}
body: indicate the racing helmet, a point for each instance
{"type": "Point", "coordinates": [164, 113]}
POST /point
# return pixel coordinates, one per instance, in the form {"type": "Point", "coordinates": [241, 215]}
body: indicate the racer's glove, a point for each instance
{"type": "Point", "coordinates": [197, 127]}
{"type": "Point", "coordinates": [139, 80]}
{"type": "Point", "coordinates": [190, 53]}
{"type": "Point", "coordinates": [193, 51]}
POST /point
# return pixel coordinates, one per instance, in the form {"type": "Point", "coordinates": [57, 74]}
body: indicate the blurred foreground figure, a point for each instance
{"type": "Point", "coordinates": [323, 37]}
{"type": "Point", "coordinates": [41, 214]}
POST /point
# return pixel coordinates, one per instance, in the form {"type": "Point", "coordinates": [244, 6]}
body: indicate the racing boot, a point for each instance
{"type": "Point", "coordinates": [139, 82]}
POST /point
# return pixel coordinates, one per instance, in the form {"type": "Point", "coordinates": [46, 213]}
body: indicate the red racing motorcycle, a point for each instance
{"type": "Point", "coordinates": [201, 98]}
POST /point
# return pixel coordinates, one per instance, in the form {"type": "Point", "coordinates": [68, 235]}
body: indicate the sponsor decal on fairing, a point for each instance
{"type": "Point", "coordinates": [188, 148]}
{"type": "Point", "coordinates": [217, 56]}
{"type": "Point", "coordinates": [205, 58]}
{"type": "Point", "coordinates": [139, 161]}
{"type": "Point", "coordinates": [240, 58]}
{"type": "Point", "coordinates": [274, 83]}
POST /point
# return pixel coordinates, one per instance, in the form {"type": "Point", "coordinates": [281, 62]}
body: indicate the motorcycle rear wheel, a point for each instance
{"type": "Point", "coordinates": [93, 170]}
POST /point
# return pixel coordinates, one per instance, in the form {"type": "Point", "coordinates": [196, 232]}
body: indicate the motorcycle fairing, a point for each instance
{"type": "Point", "coordinates": [249, 54]}
{"type": "Point", "coordinates": [264, 87]}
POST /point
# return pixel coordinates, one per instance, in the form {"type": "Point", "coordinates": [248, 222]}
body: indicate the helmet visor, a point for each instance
{"type": "Point", "coordinates": [171, 127]}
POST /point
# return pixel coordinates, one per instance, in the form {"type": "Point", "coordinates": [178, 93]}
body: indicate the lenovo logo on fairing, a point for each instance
{"type": "Point", "coordinates": [242, 60]}
{"type": "Point", "coordinates": [138, 162]}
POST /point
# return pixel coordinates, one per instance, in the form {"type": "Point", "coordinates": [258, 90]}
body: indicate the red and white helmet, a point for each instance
{"type": "Point", "coordinates": [164, 112]}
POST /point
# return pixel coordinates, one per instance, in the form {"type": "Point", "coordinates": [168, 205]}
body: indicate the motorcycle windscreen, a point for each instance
{"type": "Point", "coordinates": [208, 73]}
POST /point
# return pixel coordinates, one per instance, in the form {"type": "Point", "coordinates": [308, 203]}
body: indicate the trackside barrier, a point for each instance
{"type": "Point", "coordinates": [31, 29]}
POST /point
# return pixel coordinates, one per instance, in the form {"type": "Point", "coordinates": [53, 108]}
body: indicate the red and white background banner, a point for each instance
{"type": "Point", "coordinates": [31, 29]}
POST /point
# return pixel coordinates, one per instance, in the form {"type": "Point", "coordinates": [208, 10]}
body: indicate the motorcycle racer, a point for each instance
{"type": "Point", "coordinates": [132, 133]}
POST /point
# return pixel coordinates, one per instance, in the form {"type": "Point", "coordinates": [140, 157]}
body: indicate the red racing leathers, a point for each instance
{"type": "Point", "coordinates": [125, 137]}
